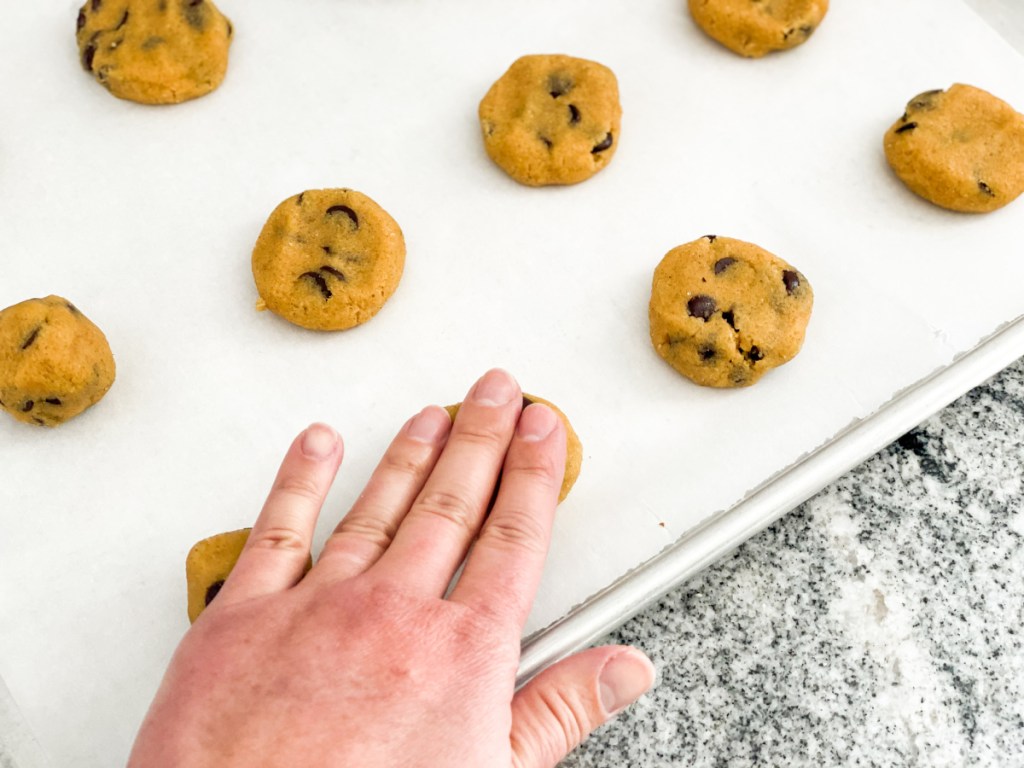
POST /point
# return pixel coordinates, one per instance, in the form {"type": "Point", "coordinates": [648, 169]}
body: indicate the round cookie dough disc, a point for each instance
{"type": "Point", "coordinates": [754, 28]}
{"type": "Point", "coordinates": [573, 447]}
{"type": "Point", "coordinates": [962, 149]}
{"type": "Point", "coordinates": [724, 312]}
{"type": "Point", "coordinates": [54, 363]}
{"type": "Point", "coordinates": [328, 259]}
{"type": "Point", "coordinates": [552, 119]}
{"type": "Point", "coordinates": [154, 51]}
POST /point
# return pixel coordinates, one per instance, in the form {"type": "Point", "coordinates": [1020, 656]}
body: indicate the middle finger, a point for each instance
{"type": "Point", "coordinates": [436, 533]}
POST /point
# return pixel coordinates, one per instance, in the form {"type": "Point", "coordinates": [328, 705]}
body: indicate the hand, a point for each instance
{"type": "Point", "coordinates": [365, 661]}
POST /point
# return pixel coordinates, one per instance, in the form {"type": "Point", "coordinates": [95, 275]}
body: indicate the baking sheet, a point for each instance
{"type": "Point", "coordinates": [145, 218]}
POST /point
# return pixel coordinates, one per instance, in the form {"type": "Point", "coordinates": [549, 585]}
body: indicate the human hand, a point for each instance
{"type": "Point", "coordinates": [364, 661]}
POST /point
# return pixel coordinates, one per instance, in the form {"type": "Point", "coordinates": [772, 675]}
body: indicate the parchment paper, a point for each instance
{"type": "Point", "coordinates": [145, 218]}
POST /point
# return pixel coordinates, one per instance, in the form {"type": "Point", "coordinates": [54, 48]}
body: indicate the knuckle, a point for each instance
{"type": "Point", "coordinates": [279, 538]}
{"type": "Point", "coordinates": [402, 463]}
{"type": "Point", "coordinates": [537, 469]}
{"type": "Point", "coordinates": [482, 436]}
{"type": "Point", "coordinates": [454, 508]}
{"type": "Point", "coordinates": [367, 528]}
{"type": "Point", "coordinates": [298, 486]}
{"type": "Point", "coordinates": [562, 707]}
{"type": "Point", "coordinates": [515, 528]}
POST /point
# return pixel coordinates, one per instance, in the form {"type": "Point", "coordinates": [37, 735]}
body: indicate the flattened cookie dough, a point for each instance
{"type": "Point", "coordinates": [754, 28]}
{"type": "Point", "coordinates": [724, 312]}
{"type": "Point", "coordinates": [154, 51]}
{"type": "Point", "coordinates": [962, 149]}
{"type": "Point", "coordinates": [573, 447]}
{"type": "Point", "coordinates": [552, 119]}
{"type": "Point", "coordinates": [208, 565]}
{"type": "Point", "coordinates": [328, 259]}
{"type": "Point", "coordinates": [54, 363]}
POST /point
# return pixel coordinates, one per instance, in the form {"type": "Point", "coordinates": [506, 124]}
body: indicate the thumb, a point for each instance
{"type": "Point", "coordinates": [559, 708]}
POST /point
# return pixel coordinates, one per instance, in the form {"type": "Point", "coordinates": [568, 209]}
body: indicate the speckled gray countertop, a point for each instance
{"type": "Point", "coordinates": [879, 624]}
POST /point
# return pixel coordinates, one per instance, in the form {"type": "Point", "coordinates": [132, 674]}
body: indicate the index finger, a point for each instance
{"type": "Point", "coordinates": [505, 565]}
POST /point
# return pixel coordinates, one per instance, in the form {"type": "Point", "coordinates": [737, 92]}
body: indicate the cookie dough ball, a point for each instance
{"type": "Point", "coordinates": [724, 312]}
{"type": "Point", "coordinates": [962, 149]}
{"type": "Point", "coordinates": [208, 564]}
{"type": "Point", "coordinates": [54, 363]}
{"type": "Point", "coordinates": [756, 27]}
{"type": "Point", "coordinates": [552, 119]}
{"type": "Point", "coordinates": [573, 447]}
{"type": "Point", "coordinates": [328, 259]}
{"type": "Point", "coordinates": [154, 51]}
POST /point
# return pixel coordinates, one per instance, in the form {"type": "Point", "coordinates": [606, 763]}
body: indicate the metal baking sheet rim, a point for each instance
{"type": "Point", "coordinates": [726, 530]}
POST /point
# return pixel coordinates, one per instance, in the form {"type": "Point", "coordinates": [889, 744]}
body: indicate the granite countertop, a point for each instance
{"type": "Point", "coordinates": [881, 623]}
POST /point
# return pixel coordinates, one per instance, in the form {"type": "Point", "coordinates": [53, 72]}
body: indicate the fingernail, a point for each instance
{"type": "Point", "coordinates": [537, 422]}
{"type": "Point", "coordinates": [428, 425]}
{"type": "Point", "coordinates": [624, 679]}
{"type": "Point", "coordinates": [319, 441]}
{"type": "Point", "coordinates": [497, 387]}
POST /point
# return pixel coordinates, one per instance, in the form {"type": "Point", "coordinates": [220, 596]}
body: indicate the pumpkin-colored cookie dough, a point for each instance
{"type": "Point", "coordinates": [724, 312]}
{"type": "Point", "coordinates": [754, 28]}
{"type": "Point", "coordinates": [154, 51]}
{"type": "Point", "coordinates": [962, 149]}
{"type": "Point", "coordinates": [573, 447]}
{"type": "Point", "coordinates": [208, 565]}
{"type": "Point", "coordinates": [328, 259]}
{"type": "Point", "coordinates": [54, 363]}
{"type": "Point", "coordinates": [552, 119]}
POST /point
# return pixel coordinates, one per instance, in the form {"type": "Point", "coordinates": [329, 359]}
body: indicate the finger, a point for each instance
{"type": "Point", "coordinates": [433, 538]}
{"type": "Point", "coordinates": [505, 566]}
{"type": "Point", "coordinates": [276, 554]}
{"type": "Point", "coordinates": [365, 533]}
{"type": "Point", "coordinates": [559, 708]}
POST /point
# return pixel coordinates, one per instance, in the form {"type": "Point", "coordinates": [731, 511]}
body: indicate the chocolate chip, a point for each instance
{"type": "Point", "coordinates": [195, 14]}
{"type": "Point", "coordinates": [924, 100]}
{"type": "Point", "coordinates": [791, 280]}
{"type": "Point", "coordinates": [72, 307]}
{"type": "Point", "coordinates": [298, 200]}
{"type": "Point", "coordinates": [39, 421]}
{"type": "Point", "coordinates": [152, 42]}
{"type": "Point", "coordinates": [754, 355]}
{"type": "Point", "coordinates": [574, 114]}
{"type": "Point", "coordinates": [605, 144]}
{"type": "Point", "coordinates": [81, 18]}
{"type": "Point", "coordinates": [124, 20]}
{"type": "Point", "coordinates": [31, 339]}
{"type": "Point", "coordinates": [319, 281]}
{"type": "Point", "coordinates": [327, 250]}
{"type": "Point", "coordinates": [730, 319]}
{"type": "Point", "coordinates": [711, 238]}
{"type": "Point", "coordinates": [907, 127]}
{"type": "Point", "coordinates": [87, 56]}
{"type": "Point", "coordinates": [213, 590]}
{"type": "Point", "coordinates": [559, 85]}
{"type": "Point", "coordinates": [53, 401]}
{"type": "Point", "coordinates": [332, 271]}
{"type": "Point", "coordinates": [986, 189]}
{"type": "Point", "coordinates": [231, 30]}
{"type": "Point", "coordinates": [347, 211]}
{"type": "Point", "coordinates": [28, 406]}
{"type": "Point", "coordinates": [701, 306]}
{"type": "Point", "coordinates": [96, 4]}
{"type": "Point", "coordinates": [723, 264]}
{"type": "Point", "coordinates": [707, 352]}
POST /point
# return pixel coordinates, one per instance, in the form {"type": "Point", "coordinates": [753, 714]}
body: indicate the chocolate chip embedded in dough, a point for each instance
{"type": "Point", "coordinates": [335, 209]}
{"type": "Point", "coordinates": [606, 143]}
{"type": "Point", "coordinates": [574, 114]}
{"type": "Point", "coordinates": [213, 590]}
{"type": "Point", "coordinates": [559, 85]}
{"type": "Point", "coordinates": [791, 280]}
{"type": "Point", "coordinates": [318, 280]}
{"type": "Point", "coordinates": [986, 189]}
{"type": "Point", "coordinates": [723, 264]}
{"type": "Point", "coordinates": [31, 338]}
{"type": "Point", "coordinates": [907, 127]}
{"type": "Point", "coordinates": [701, 306]}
